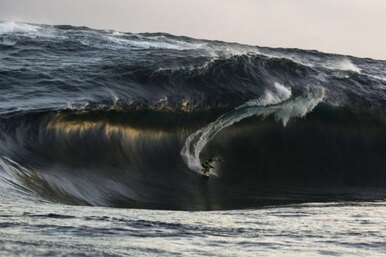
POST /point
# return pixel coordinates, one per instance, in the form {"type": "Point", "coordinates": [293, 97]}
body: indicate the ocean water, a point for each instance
{"type": "Point", "coordinates": [317, 229]}
{"type": "Point", "coordinates": [102, 136]}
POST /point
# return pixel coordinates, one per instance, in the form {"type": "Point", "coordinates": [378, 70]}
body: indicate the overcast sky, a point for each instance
{"type": "Point", "coordinates": [355, 27]}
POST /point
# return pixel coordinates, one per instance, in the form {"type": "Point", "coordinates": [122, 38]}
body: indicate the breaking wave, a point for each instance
{"type": "Point", "coordinates": [117, 119]}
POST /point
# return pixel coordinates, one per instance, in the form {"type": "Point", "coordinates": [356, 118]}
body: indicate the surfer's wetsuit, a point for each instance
{"type": "Point", "coordinates": [206, 165]}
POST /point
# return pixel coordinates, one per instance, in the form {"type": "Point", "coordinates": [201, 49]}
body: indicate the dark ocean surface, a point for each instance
{"type": "Point", "coordinates": [102, 135]}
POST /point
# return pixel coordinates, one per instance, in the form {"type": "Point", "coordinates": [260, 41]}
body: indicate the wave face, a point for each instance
{"type": "Point", "coordinates": [104, 118]}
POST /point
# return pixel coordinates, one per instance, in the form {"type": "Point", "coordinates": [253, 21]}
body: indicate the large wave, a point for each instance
{"type": "Point", "coordinates": [119, 119]}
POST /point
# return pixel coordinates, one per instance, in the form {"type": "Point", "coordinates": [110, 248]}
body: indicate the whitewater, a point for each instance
{"type": "Point", "coordinates": [102, 136]}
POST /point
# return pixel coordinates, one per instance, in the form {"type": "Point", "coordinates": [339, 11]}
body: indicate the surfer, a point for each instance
{"type": "Point", "coordinates": [207, 165]}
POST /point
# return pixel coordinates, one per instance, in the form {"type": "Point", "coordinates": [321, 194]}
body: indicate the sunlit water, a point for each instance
{"type": "Point", "coordinates": [334, 229]}
{"type": "Point", "coordinates": [121, 122]}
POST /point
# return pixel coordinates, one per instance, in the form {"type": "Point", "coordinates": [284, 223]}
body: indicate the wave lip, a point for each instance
{"type": "Point", "coordinates": [108, 118]}
{"type": "Point", "coordinates": [197, 141]}
{"type": "Point", "coordinates": [271, 97]}
{"type": "Point", "coordinates": [276, 104]}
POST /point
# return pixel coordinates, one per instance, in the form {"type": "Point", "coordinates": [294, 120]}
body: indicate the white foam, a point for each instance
{"type": "Point", "coordinates": [299, 107]}
{"type": "Point", "coordinates": [117, 33]}
{"type": "Point", "coordinates": [283, 111]}
{"type": "Point", "coordinates": [13, 27]}
{"type": "Point", "coordinates": [152, 42]}
{"type": "Point", "coordinates": [279, 94]}
{"type": "Point", "coordinates": [345, 65]}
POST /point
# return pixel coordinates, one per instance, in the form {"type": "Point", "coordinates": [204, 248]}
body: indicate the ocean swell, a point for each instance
{"type": "Point", "coordinates": [103, 118]}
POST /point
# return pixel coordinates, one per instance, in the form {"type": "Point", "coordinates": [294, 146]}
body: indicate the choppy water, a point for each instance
{"type": "Point", "coordinates": [333, 229]}
{"type": "Point", "coordinates": [108, 119]}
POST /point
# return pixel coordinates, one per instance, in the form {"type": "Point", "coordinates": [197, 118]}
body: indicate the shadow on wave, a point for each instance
{"type": "Point", "coordinates": [123, 160]}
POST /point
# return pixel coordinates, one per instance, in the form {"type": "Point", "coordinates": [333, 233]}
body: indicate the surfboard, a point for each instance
{"type": "Point", "coordinates": [205, 176]}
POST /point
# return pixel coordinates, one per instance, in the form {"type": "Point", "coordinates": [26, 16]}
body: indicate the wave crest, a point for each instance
{"type": "Point", "coordinates": [277, 105]}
